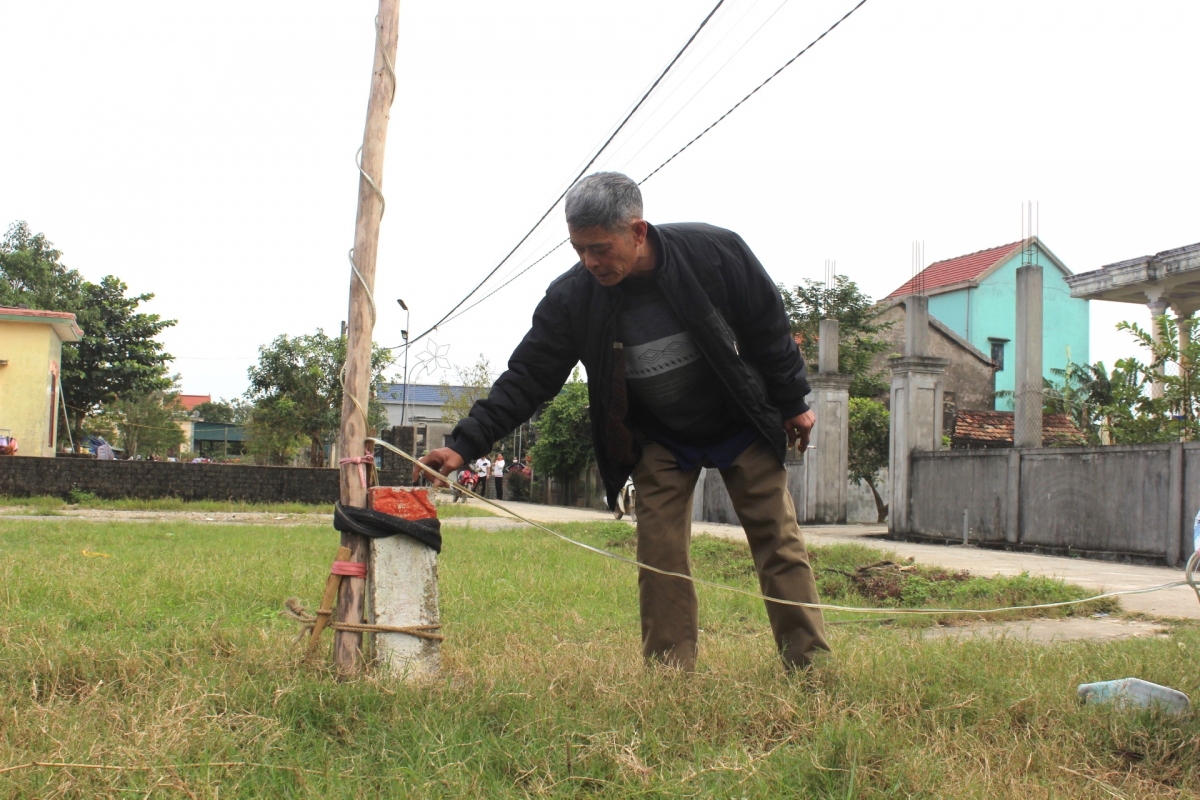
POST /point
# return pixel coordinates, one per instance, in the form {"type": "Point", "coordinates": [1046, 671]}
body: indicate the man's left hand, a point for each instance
{"type": "Point", "coordinates": [799, 429]}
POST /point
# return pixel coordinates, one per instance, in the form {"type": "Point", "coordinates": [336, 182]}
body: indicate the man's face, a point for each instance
{"type": "Point", "coordinates": [610, 255]}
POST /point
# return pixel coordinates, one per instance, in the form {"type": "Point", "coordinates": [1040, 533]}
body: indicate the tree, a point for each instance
{"type": "Point", "coordinates": [1081, 391]}
{"type": "Point", "coordinates": [273, 436]}
{"type": "Point", "coordinates": [858, 332]}
{"type": "Point", "coordinates": [118, 355]}
{"type": "Point", "coordinates": [32, 275]}
{"type": "Point", "coordinates": [476, 382]}
{"type": "Point", "coordinates": [219, 411]}
{"type": "Point", "coordinates": [1134, 416]}
{"type": "Point", "coordinates": [305, 370]}
{"type": "Point", "coordinates": [564, 441]}
{"type": "Point", "coordinates": [869, 431]}
{"type": "Point", "coordinates": [146, 424]}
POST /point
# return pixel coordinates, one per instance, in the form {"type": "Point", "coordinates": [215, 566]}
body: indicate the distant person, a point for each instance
{"type": "Point", "coordinates": [691, 363]}
{"type": "Point", "coordinates": [483, 468]}
{"type": "Point", "coordinates": [498, 475]}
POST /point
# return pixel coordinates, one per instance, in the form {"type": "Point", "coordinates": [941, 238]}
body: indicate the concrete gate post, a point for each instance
{"type": "Point", "coordinates": [1027, 405]}
{"type": "Point", "coordinates": [916, 409]}
{"type": "Point", "coordinates": [827, 461]}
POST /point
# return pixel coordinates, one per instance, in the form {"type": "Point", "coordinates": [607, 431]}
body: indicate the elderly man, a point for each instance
{"type": "Point", "coordinates": [690, 363]}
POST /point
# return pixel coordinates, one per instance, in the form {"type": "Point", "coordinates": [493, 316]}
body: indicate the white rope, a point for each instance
{"type": "Point", "coordinates": [1188, 581]}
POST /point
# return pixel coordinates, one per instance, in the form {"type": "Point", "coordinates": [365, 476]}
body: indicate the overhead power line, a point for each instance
{"type": "Point", "coordinates": [452, 316]}
{"type": "Point", "coordinates": [582, 172]}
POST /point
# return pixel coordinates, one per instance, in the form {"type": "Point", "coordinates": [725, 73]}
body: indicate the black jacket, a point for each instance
{"type": "Point", "coordinates": [724, 298]}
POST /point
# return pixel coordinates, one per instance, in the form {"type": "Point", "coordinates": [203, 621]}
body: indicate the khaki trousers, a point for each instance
{"type": "Point", "coordinates": [757, 484]}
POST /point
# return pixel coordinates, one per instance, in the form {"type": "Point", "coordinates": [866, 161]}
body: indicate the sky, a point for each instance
{"type": "Point", "coordinates": [204, 152]}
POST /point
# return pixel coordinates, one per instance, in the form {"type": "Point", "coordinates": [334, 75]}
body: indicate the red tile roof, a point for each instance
{"type": "Point", "coordinates": [996, 428]}
{"type": "Point", "coordinates": [190, 401]}
{"type": "Point", "coordinates": [956, 270]}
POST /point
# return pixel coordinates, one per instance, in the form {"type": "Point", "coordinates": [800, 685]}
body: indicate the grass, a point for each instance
{"type": "Point", "coordinates": [169, 652]}
{"type": "Point", "coordinates": [49, 506]}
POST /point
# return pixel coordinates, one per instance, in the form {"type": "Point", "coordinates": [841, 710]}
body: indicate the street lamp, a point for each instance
{"type": "Point", "coordinates": [404, 333]}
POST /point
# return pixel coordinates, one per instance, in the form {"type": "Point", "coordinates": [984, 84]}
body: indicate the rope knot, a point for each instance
{"type": "Point", "coordinates": [362, 461]}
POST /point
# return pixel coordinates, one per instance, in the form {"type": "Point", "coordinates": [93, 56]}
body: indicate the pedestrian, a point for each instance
{"type": "Point", "coordinates": [691, 363]}
{"type": "Point", "coordinates": [483, 468]}
{"type": "Point", "coordinates": [498, 475]}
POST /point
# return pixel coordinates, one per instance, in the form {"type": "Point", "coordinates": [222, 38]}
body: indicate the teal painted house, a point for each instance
{"type": "Point", "coordinates": [976, 296]}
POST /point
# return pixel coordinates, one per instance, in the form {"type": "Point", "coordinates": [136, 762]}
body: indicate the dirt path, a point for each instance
{"type": "Point", "coordinates": [223, 517]}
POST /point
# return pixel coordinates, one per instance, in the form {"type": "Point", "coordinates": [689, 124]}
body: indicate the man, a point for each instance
{"type": "Point", "coordinates": [483, 467]}
{"type": "Point", "coordinates": [690, 363]}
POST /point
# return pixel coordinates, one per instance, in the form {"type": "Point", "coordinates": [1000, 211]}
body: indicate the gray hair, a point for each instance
{"type": "Point", "coordinates": [605, 200]}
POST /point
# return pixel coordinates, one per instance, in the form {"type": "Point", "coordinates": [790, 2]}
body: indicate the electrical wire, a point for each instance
{"type": "Point", "coordinates": [450, 315]}
{"type": "Point", "coordinates": [583, 171]}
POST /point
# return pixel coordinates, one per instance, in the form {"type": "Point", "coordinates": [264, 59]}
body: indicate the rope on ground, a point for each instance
{"type": "Point", "coordinates": [1189, 579]}
{"type": "Point", "coordinates": [295, 611]}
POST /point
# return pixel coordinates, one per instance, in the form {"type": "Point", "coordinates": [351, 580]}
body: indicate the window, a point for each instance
{"type": "Point", "coordinates": [998, 353]}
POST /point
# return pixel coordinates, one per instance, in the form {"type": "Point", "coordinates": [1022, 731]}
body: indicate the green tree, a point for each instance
{"type": "Point", "coordinates": [32, 275]}
{"type": "Point", "coordinates": [119, 354]}
{"type": "Point", "coordinates": [218, 411]}
{"type": "Point", "coordinates": [306, 371]}
{"type": "Point", "coordinates": [869, 442]}
{"type": "Point", "coordinates": [1082, 392]}
{"type": "Point", "coordinates": [274, 437]}
{"type": "Point", "coordinates": [1134, 416]}
{"type": "Point", "coordinates": [564, 441]}
{"type": "Point", "coordinates": [858, 331]}
{"type": "Point", "coordinates": [476, 382]}
{"type": "Point", "coordinates": [146, 424]}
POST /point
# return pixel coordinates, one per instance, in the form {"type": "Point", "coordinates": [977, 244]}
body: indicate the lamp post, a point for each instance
{"type": "Point", "coordinates": [404, 333]}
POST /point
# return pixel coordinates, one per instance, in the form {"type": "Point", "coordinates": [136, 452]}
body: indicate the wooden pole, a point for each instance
{"type": "Point", "coordinates": [347, 649]}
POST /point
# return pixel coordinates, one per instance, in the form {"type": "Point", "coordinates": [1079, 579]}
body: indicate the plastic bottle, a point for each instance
{"type": "Point", "coordinates": [1135, 693]}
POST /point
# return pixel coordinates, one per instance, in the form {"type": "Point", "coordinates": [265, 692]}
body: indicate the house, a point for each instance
{"type": "Point", "coordinates": [975, 296]}
{"type": "Point", "coordinates": [414, 402]}
{"type": "Point", "coordinates": [986, 430]}
{"type": "Point", "coordinates": [969, 375]}
{"type": "Point", "coordinates": [217, 439]}
{"type": "Point", "coordinates": [31, 402]}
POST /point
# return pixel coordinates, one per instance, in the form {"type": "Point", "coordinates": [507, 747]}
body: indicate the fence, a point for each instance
{"type": "Point", "coordinates": [1117, 501]}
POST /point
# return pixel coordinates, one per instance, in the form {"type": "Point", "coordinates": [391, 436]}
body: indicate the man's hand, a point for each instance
{"type": "Point", "coordinates": [444, 460]}
{"type": "Point", "coordinates": [798, 429]}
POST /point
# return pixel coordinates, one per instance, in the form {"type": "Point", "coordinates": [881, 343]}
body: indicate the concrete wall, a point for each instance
{"type": "Point", "coordinates": [711, 502]}
{"type": "Point", "coordinates": [22, 476]}
{"type": "Point", "coordinates": [1131, 500]}
{"type": "Point", "coordinates": [27, 390]}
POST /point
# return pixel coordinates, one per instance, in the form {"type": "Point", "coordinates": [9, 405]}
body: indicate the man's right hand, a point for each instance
{"type": "Point", "coordinates": [444, 460]}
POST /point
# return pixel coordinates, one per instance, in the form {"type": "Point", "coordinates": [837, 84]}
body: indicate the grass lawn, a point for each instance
{"type": "Point", "coordinates": [49, 505]}
{"type": "Point", "coordinates": [169, 652]}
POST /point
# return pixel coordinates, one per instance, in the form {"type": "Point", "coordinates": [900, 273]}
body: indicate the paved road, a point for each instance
{"type": "Point", "coordinates": [1099, 575]}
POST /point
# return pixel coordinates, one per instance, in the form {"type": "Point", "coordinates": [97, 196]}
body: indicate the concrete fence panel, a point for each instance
{"type": "Point", "coordinates": [1103, 500]}
{"type": "Point", "coordinates": [946, 483]}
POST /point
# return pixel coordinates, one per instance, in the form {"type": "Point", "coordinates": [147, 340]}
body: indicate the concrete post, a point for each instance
{"type": "Point", "coordinates": [826, 490]}
{"type": "Point", "coordinates": [916, 409]}
{"type": "Point", "coordinates": [1157, 309]}
{"type": "Point", "coordinates": [1027, 406]}
{"type": "Point", "coordinates": [404, 591]}
{"type": "Point", "coordinates": [916, 325]}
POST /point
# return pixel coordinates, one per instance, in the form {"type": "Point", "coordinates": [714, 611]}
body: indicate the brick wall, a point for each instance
{"type": "Point", "coordinates": [26, 476]}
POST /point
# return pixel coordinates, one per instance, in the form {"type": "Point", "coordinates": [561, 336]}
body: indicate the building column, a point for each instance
{"type": "Point", "coordinates": [827, 461]}
{"type": "Point", "coordinates": [1158, 308]}
{"type": "Point", "coordinates": [916, 409]}
{"type": "Point", "coordinates": [1027, 405]}
{"type": "Point", "coordinates": [1183, 320]}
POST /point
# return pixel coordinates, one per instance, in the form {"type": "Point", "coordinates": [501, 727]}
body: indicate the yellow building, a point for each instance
{"type": "Point", "coordinates": [30, 355]}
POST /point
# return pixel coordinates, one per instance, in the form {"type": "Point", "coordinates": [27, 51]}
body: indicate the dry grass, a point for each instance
{"type": "Point", "coordinates": [167, 657]}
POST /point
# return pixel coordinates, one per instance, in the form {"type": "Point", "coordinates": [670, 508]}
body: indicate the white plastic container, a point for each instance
{"type": "Point", "coordinates": [1134, 693]}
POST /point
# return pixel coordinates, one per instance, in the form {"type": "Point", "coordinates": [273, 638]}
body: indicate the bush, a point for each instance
{"type": "Point", "coordinates": [516, 487]}
{"type": "Point", "coordinates": [77, 497]}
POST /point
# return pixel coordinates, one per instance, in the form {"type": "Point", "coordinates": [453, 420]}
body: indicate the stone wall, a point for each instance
{"type": "Point", "coordinates": [28, 476]}
{"type": "Point", "coordinates": [1120, 501]}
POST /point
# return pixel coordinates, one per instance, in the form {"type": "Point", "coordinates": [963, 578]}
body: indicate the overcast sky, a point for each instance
{"type": "Point", "coordinates": [205, 151]}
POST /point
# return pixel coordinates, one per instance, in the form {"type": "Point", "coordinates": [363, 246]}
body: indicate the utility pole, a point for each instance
{"type": "Point", "coordinates": [347, 651]}
{"type": "Point", "coordinates": [404, 333]}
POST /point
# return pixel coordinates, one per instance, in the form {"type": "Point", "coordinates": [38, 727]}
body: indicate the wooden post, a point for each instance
{"type": "Point", "coordinates": [347, 650]}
